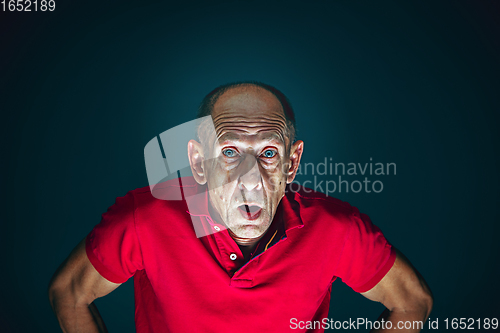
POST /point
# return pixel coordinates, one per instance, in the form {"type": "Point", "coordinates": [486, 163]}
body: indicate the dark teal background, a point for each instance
{"type": "Point", "coordinates": [84, 88]}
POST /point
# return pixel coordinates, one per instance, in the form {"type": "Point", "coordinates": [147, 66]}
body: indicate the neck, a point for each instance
{"type": "Point", "coordinates": [250, 242]}
{"type": "Point", "coordinates": [246, 245]}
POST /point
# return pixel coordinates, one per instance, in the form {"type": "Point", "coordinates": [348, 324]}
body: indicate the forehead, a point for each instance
{"type": "Point", "coordinates": [262, 138]}
{"type": "Point", "coordinates": [249, 112]}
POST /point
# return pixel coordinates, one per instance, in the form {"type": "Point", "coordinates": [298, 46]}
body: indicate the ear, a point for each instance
{"type": "Point", "coordinates": [295, 156]}
{"type": "Point", "coordinates": [196, 158]}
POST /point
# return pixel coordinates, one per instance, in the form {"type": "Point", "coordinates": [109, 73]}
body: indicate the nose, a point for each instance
{"type": "Point", "coordinates": [250, 179]}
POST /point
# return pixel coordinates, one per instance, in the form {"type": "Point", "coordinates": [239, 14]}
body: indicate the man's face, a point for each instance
{"type": "Point", "coordinates": [247, 165]}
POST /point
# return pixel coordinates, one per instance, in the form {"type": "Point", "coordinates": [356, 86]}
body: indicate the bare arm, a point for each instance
{"type": "Point", "coordinates": [73, 288]}
{"type": "Point", "coordinates": [405, 295]}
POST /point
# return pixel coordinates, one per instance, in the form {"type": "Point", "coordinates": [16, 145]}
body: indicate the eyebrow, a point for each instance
{"type": "Point", "coordinates": [232, 137]}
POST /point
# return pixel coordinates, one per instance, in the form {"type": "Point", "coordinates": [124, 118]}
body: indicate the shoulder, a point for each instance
{"type": "Point", "coordinates": [151, 219]}
{"type": "Point", "coordinates": [169, 192]}
{"type": "Point", "coordinates": [146, 206]}
{"type": "Point", "coordinates": [312, 201]}
{"type": "Point", "coordinates": [327, 221]}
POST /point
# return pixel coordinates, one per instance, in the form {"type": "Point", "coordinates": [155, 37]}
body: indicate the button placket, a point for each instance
{"type": "Point", "coordinates": [230, 253]}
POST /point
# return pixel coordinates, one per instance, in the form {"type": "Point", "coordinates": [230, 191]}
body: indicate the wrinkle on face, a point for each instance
{"type": "Point", "coordinates": [248, 110]}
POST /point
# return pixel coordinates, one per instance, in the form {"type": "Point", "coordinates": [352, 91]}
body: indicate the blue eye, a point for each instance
{"type": "Point", "coordinates": [269, 153]}
{"type": "Point", "coordinates": [229, 153]}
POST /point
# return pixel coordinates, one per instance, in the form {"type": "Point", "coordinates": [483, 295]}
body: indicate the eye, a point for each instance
{"type": "Point", "coordinates": [229, 153]}
{"type": "Point", "coordinates": [269, 153]}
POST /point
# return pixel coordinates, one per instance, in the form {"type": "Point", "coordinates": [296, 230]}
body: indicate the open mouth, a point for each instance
{"type": "Point", "coordinates": [250, 212]}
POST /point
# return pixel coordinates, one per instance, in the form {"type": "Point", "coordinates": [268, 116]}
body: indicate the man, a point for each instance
{"type": "Point", "coordinates": [268, 257]}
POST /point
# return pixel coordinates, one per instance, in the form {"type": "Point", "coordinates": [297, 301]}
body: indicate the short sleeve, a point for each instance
{"type": "Point", "coordinates": [366, 256]}
{"type": "Point", "coordinates": [112, 246]}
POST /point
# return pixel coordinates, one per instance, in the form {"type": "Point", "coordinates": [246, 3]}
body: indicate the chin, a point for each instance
{"type": "Point", "coordinates": [250, 228]}
{"type": "Point", "coordinates": [249, 231]}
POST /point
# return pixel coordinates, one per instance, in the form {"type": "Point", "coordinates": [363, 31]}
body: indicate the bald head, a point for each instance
{"type": "Point", "coordinates": [249, 110]}
{"type": "Point", "coordinates": [251, 93]}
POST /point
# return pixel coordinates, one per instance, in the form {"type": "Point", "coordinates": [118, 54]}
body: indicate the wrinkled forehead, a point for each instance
{"type": "Point", "coordinates": [254, 140]}
{"type": "Point", "coordinates": [249, 113]}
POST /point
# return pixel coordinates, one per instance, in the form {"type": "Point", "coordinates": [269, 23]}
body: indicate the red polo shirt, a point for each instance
{"type": "Point", "coordinates": [187, 284]}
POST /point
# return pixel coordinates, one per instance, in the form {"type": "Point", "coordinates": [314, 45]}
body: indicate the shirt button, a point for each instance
{"type": "Point", "coordinates": [233, 256]}
{"type": "Point", "coordinates": [216, 228]}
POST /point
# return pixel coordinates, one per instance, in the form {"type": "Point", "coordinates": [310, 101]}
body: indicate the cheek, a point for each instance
{"type": "Point", "coordinates": [278, 172]}
{"type": "Point", "coordinates": [223, 193]}
{"type": "Point", "coordinates": [274, 180]}
{"type": "Point", "coordinates": [220, 174]}
{"type": "Point", "coordinates": [216, 177]}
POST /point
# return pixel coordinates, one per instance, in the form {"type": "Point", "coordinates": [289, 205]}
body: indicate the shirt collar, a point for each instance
{"type": "Point", "coordinates": [291, 211]}
{"type": "Point", "coordinates": [196, 196]}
